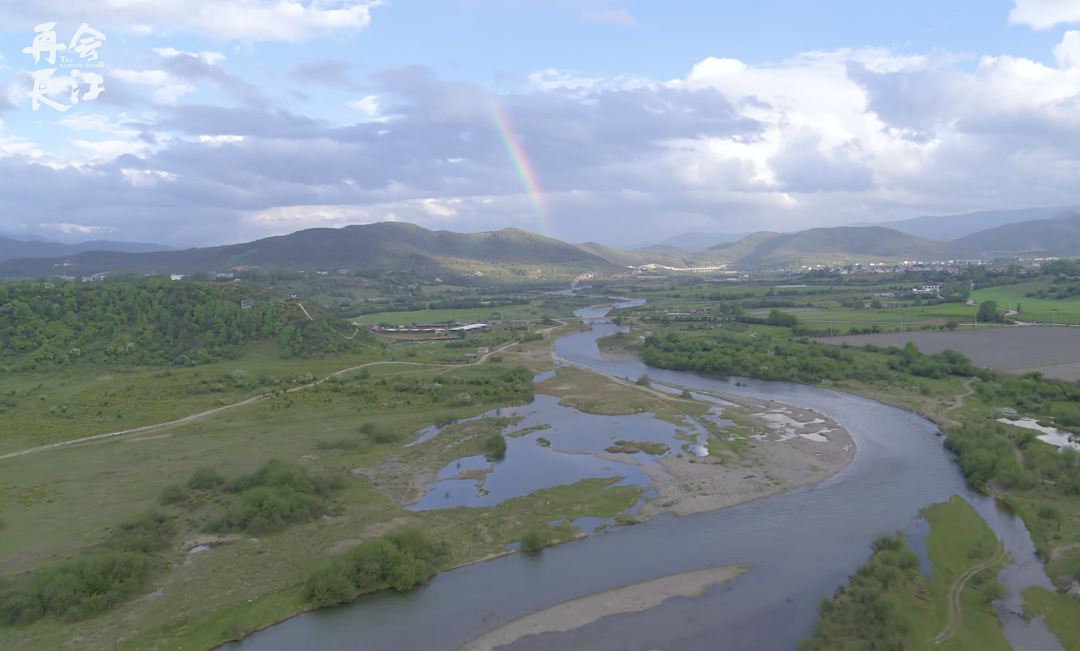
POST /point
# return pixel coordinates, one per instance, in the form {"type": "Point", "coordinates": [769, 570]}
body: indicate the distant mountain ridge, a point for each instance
{"type": "Point", "coordinates": [386, 246]}
{"type": "Point", "coordinates": [949, 227]}
{"type": "Point", "coordinates": [836, 246]}
{"type": "Point", "coordinates": [1038, 238]}
{"type": "Point", "coordinates": [510, 254]}
{"type": "Point", "coordinates": [11, 248]}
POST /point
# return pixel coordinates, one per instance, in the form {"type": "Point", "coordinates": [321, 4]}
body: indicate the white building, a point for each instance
{"type": "Point", "coordinates": [928, 288]}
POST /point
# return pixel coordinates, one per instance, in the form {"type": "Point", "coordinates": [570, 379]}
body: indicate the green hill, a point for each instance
{"type": "Point", "coordinates": [155, 322]}
{"type": "Point", "coordinates": [371, 248]}
{"type": "Point", "coordinates": [834, 246]}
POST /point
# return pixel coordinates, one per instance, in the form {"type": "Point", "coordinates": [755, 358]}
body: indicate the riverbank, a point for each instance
{"type": "Point", "coordinates": [585, 610]}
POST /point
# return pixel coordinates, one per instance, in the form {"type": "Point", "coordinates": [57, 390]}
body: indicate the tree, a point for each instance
{"type": "Point", "coordinates": [992, 591]}
{"type": "Point", "coordinates": [1019, 308]}
{"type": "Point", "coordinates": [1048, 513]}
{"type": "Point", "coordinates": [876, 304]}
{"type": "Point", "coordinates": [952, 324]}
{"type": "Point", "coordinates": [495, 447]}
{"type": "Point", "coordinates": [988, 313]}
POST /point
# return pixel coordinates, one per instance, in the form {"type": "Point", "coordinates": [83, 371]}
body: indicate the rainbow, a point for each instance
{"type": "Point", "coordinates": [523, 167]}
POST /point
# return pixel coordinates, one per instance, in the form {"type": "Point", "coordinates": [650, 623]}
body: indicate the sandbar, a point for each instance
{"type": "Point", "coordinates": [576, 613]}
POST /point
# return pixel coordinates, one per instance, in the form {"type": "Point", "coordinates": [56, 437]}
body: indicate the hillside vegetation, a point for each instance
{"type": "Point", "coordinates": [153, 322]}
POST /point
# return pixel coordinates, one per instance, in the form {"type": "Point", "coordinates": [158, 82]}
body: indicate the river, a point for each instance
{"type": "Point", "coordinates": [802, 544]}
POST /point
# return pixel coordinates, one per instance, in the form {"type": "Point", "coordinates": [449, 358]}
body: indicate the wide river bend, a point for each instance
{"type": "Point", "coordinates": [802, 544]}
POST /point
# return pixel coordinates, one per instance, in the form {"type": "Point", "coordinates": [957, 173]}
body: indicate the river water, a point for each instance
{"type": "Point", "coordinates": [802, 544]}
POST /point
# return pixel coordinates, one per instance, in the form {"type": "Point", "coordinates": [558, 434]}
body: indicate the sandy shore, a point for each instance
{"type": "Point", "coordinates": [585, 610]}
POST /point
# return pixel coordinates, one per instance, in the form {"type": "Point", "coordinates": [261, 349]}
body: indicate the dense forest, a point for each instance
{"type": "Point", "coordinates": [153, 322]}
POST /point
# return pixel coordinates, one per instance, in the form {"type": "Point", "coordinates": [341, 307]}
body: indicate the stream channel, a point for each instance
{"type": "Point", "coordinates": [802, 544]}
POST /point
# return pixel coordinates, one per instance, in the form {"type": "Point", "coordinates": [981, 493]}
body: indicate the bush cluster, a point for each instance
{"type": "Point", "coordinates": [864, 613]}
{"type": "Point", "coordinates": [95, 582]}
{"type": "Point", "coordinates": [400, 560]}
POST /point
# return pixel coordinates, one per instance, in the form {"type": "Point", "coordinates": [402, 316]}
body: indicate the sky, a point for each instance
{"type": "Point", "coordinates": [203, 122]}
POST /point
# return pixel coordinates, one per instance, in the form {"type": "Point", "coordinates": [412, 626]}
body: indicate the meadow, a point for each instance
{"type": "Point", "coordinates": [1050, 309]}
{"type": "Point", "coordinates": [58, 505]}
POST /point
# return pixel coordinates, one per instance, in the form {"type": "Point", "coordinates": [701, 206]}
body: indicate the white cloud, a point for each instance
{"type": "Point", "coordinates": [1067, 52]}
{"type": "Point", "coordinates": [214, 141]}
{"type": "Point", "coordinates": [368, 104]}
{"type": "Point", "coordinates": [145, 178]}
{"type": "Point", "coordinates": [108, 149]}
{"type": "Point", "coordinates": [77, 228]}
{"type": "Point", "coordinates": [614, 16]}
{"type": "Point", "coordinates": [1043, 14]}
{"type": "Point", "coordinates": [209, 57]}
{"type": "Point", "coordinates": [169, 88]}
{"type": "Point", "coordinates": [245, 20]}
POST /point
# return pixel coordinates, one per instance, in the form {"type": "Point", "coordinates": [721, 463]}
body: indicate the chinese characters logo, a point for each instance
{"type": "Point", "coordinates": [85, 43]}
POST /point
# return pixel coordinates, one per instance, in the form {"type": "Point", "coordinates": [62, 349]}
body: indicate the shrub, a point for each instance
{"type": "Point", "coordinates": [205, 479]}
{"type": "Point", "coordinates": [495, 446]}
{"type": "Point", "coordinates": [76, 590]}
{"type": "Point", "coordinates": [172, 494]}
{"type": "Point", "coordinates": [400, 560]}
{"type": "Point", "coordinates": [275, 496]}
{"type": "Point", "coordinates": [264, 509]}
{"type": "Point", "coordinates": [150, 532]}
{"type": "Point", "coordinates": [533, 541]}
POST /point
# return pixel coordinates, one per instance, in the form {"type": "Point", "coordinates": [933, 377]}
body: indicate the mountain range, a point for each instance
{"type": "Point", "coordinates": [515, 254]}
{"type": "Point", "coordinates": [37, 247]}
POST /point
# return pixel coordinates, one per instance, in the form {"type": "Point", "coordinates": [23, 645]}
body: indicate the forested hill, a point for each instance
{"type": "Point", "coordinates": [154, 322]}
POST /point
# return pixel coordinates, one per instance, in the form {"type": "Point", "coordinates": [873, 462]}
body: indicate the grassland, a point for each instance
{"type": "Point", "coordinates": [1062, 613]}
{"type": "Point", "coordinates": [1033, 309]}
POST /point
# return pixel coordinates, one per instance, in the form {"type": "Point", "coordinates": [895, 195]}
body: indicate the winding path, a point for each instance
{"type": "Point", "coordinates": [955, 614]}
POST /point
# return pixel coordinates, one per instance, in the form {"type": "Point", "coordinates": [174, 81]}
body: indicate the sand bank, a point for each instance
{"type": "Point", "coordinates": [585, 610]}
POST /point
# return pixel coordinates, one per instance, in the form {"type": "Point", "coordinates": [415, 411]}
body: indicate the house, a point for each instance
{"type": "Point", "coordinates": [883, 295]}
{"type": "Point", "coordinates": [927, 288]}
{"type": "Point", "coordinates": [176, 276]}
{"type": "Point", "coordinates": [247, 304]}
{"type": "Point", "coordinates": [483, 350]}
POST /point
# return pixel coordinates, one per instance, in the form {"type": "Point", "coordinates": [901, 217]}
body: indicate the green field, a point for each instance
{"type": "Point", "coordinates": [1034, 309]}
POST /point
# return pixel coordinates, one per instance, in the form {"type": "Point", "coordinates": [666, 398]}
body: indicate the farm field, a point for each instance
{"type": "Point", "coordinates": [1034, 309]}
{"type": "Point", "coordinates": [1054, 352]}
{"type": "Point", "coordinates": [923, 315]}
